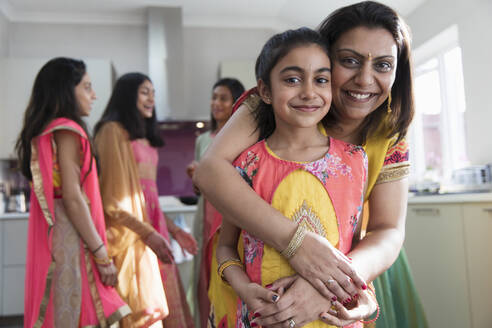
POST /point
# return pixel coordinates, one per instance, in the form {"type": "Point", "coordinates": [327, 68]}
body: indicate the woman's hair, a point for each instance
{"type": "Point", "coordinates": [372, 14]}
{"type": "Point", "coordinates": [235, 87]}
{"type": "Point", "coordinates": [122, 108]}
{"type": "Point", "coordinates": [276, 48]}
{"type": "Point", "coordinates": [52, 96]}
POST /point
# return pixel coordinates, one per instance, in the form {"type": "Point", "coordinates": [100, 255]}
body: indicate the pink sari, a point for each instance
{"type": "Point", "coordinates": [146, 158]}
{"type": "Point", "coordinates": [98, 305]}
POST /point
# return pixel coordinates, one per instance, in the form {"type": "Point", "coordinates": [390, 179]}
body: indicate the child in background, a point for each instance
{"type": "Point", "coordinates": [314, 180]}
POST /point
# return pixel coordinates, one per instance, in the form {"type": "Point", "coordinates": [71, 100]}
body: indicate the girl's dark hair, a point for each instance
{"type": "Point", "coordinates": [372, 14]}
{"type": "Point", "coordinates": [52, 96]}
{"type": "Point", "coordinates": [122, 108]}
{"type": "Point", "coordinates": [277, 47]}
{"type": "Point", "coordinates": [235, 87]}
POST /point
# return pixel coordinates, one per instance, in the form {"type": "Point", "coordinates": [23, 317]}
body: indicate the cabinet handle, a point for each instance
{"type": "Point", "coordinates": [488, 210]}
{"type": "Point", "coordinates": [427, 211]}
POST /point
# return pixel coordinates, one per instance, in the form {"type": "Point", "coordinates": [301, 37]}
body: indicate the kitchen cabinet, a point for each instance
{"type": "Point", "coordinates": [448, 247]}
{"type": "Point", "coordinates": [13, 234]}
{"type": "Point", "coordinates": [478, 227]}
{"type": "Point", "coordinates": [435, 247]}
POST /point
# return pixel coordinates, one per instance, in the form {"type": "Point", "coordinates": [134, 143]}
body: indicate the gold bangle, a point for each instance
{"type": "Point", "coordinates": [227, 263]}
{"type": "Point", "coordinates": [104, 261]}
{"type": "Point", "coordinates": [295, 242]}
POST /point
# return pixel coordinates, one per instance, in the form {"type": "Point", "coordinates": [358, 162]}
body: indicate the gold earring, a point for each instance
{"type": "Point", "coordinates": [389, 103]}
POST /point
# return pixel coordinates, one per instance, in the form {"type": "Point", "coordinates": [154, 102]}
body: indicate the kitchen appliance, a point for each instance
{"type": "Point", "coordinates": [472, 175]}
{"type": "Point", "coordinates": [475, 178]}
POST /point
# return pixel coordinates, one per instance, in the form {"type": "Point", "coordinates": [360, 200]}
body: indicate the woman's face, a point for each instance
{"type": "Point", "coordinates": [145, 99]}
{"type": "Point", "coordinates": [363, 71]}
{"type": "Point", "coordinates": [221, 103]}
{"type": "Point", "coordinates": [85, 95]}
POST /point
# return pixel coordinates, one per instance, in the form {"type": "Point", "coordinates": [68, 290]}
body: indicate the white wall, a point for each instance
{"type": "Point", "coordinates": [125, 46]}
{"type": "Point", "coordinates": [474, 27]}
{"type": "Point", "coordinates": [204, 49]}
{"type": "Point", "coordinates": [4, 36]}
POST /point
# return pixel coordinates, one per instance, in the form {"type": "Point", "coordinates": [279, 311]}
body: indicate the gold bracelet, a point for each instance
{"type": "Point", "coordinates": [106, 261]}
{"type": "Point", "coordinates": [295, 242]}
{"type": "Point", "coordinates": [227, 263]}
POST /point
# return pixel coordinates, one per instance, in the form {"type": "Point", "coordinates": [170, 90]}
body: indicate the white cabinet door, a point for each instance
{"type": "Point", "coordinates": [13, 290]}
{"type": "Point", "coordinates": [436, 252]}
{"type": "Point", "coordinates": [478, 227]}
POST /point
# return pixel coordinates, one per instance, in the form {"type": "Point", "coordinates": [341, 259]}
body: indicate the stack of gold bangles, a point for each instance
{"type": "Point", "coordinates": [227, 263]}
{"type": "Point", "coordinates": [295, 242]}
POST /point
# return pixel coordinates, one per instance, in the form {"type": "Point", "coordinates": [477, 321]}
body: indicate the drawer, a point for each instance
{"type": "Point", "coordinates": [14, 242]}
{"type": "Point", "coordinates": [13, 290]}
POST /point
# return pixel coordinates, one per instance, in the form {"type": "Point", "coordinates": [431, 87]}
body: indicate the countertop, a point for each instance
{"type": "Point", "coordinates": [479, 197]}
{"type": "Point", "coordinates": [168, 205]}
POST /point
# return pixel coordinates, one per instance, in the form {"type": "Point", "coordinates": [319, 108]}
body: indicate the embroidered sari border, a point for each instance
{"type": "Point", "coordinates": [95, 295]}
{"type": "Point", "coordinates": [115, 316]}
{"type": "Point", "coordinates": [46, 297]}
{"type": "Point", "coordinates": [394, 172]}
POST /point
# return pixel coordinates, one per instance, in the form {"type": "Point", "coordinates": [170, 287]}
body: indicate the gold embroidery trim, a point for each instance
{"type": "Point", "coordinates": [304, 215]}
{"type": "Point", "coordinates": [394, 172]}
{"type": "Point", "coordinates": [46, 297]}
{"type": "Point", "coordinates": [37, 180]}
{"type": "Point", "coordinates": [95, 295]}
{"type": "Point", "coordinates": [115, 316]}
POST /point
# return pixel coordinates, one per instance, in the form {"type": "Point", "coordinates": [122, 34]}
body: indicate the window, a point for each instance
{"type": "Point", "coordinates": [437, 134]}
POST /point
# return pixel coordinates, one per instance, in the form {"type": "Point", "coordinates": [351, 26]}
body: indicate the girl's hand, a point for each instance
{"type": "Point", "coordinates": [326, 268]}
{"type": "Point", "coordinates": [341, 316]}
{"type": "Point", "coordinates": [108, 273]}
{"type": "Point", "coordinates": [300, 302]}
{"type": "Point", "coordinates": [186, 241]}
{"type": "Point", "coordinates": [256, 297]}
{"type": "Point", "coordinates": [160, 246]}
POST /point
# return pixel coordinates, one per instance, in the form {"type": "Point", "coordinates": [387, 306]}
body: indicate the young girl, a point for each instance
{"type": "Point", "coordinates": [316, 181]}
{"type": "Point", "coordinates": [126, 139]}
{"type": "Point", "coordinates": [207, 220]}
{"type": "Point", "coordinates": [69, 276]}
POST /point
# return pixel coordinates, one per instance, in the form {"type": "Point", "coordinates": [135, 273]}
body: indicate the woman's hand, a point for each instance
{"type": "Point", "coordinates": [186, 241]}
{"type": "Point", "coordinates": [108, 273]}
{"type": "Point", "coordinates": [160, 246]}
{"type": "Point", "coordinates": [300, 302]}
{"type": "Point", "coordinates": [340, 316]}
{"type": "Point", "coordinates": [327, 269]}
{"type": "Point", "coordinates": [190, 170]}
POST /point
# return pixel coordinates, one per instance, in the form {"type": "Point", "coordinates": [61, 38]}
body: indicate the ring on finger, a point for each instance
{"type": "Point", "coordinates": [291, 322]}
{"type": "Point", "coordinates": [330, 281]}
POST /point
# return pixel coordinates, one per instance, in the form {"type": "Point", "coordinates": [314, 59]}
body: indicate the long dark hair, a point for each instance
{"type": "Point", "coordinates": [52, 96]}
{"type": "Point", "coordinates": [235, 87]}
{"type": "Point", "coordinates": [372, 14]}
{"type": "Point", "coordinates": [122, 108]}
{"type": "Point", "coordinates": [276, 48]}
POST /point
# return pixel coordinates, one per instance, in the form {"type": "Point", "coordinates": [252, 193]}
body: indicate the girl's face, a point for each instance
{"type": "Point", "coordinates": [364, 68]}
{"type": "Point", "coordinates": [85, 95]}
{"type": "Point", "coordinates": [221, 103]}
{"type": "Point", "coordinates": [145, 99]}
{"type": "Point", "coordinates": [300, 87]}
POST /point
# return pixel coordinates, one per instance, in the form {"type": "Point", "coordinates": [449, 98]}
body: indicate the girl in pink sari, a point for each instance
{"type": "Point", "coordinates": [126, 141]}
{"type": "Point", "coordinates": [69, 276]}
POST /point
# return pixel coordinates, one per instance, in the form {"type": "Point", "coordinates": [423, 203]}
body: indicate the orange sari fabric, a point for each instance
{"type": "Point", "coordinates": [139, 280]}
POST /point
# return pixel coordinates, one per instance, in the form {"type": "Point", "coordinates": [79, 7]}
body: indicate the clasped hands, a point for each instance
{"type": "Point", "coordinates": [327, 288]}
